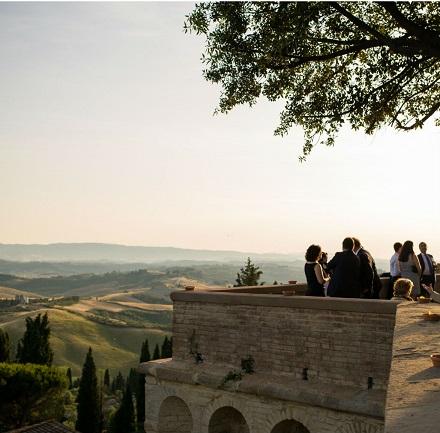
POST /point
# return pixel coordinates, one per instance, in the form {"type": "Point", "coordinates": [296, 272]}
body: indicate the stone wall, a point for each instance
{"type": "Point", "coordinates": [326, 340]}
{"type": "Point", "coordinates": [212, 411]}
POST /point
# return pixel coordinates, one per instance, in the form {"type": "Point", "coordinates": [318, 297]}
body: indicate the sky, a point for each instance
{"type": "Point", "coordinates": [107, 134]}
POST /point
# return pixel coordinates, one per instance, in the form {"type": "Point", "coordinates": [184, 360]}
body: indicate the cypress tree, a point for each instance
{"type": "Point", "coordinates": [165, 348]}
{"type": "Point", "coordinates": [89, 417]}
{"type": "Point", "coordinates": [34, 347]}
{"type": "Point", "coordinates": [5, 346]}
{"type": "Point", "coordinates": [118, 382]}
{"type": "Point", "coordinates": [123, 419]}
{"type": "Point", "coordinates": [249, 275]}
{"type": "Point", "coordinates": [107, 378]}
{"type": "Point", "coordinates": [140, 388]}
{"type": "Point", "coordinates": [145, 352]}
{"type": "Point", "coordinates": [132, 378]}
{"type": "Point", "coordinates": [156, 353]}
{"type": "Point", "coordinates": [69, 377]}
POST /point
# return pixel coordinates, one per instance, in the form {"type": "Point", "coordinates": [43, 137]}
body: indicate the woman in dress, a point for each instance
{"type": "Point", "coordinates": [409, 266]}
{"type": "Point", "coordinates": [314, 274]}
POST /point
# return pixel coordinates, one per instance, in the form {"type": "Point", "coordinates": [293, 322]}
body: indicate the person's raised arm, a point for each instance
{"type": "Point", "coordinates": [435, 296]}
{"type": "Point", "coordinates": [320, 274]}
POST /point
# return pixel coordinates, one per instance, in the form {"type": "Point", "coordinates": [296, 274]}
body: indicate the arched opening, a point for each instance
{"type": "Point", "coordinates": [289, 426]}
{"type": "Point", "coordinates": [227, 420]}
{"type": "Point", "coordinates": [174, 416]}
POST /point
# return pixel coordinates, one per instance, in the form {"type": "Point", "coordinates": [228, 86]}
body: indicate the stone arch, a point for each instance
{"type": "Point", "coordinates": [290, 426]}
{"type": "Point", "coordinates": [292, 412]}
{"type": "Point", "coordinates": [174, 416]}
{"type": "Point", "coordinates": [227, 420]}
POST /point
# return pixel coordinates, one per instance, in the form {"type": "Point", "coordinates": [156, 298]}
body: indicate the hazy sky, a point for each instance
{"type": "Point", "coordinates": [107, 134]}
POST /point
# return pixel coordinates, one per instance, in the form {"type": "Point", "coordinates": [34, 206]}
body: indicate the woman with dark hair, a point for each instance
{"type": "Point", "coordinates": [314, 273]}
{"type": "Point", "coordinates": [409, 266]}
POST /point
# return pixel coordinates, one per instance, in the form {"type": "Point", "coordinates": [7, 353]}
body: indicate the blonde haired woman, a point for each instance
{"type": "Point", "coordinates": [402, 290]}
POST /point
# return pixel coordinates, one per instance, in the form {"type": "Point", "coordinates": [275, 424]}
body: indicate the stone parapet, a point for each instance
{"type": "Point", "coordinates": [342, 342]}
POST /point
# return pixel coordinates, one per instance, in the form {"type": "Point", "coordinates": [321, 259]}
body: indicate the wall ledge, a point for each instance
{"type": "Point", "coordinates": [305, 302]}
{"type": "Point", "coordinates": [341, 398]}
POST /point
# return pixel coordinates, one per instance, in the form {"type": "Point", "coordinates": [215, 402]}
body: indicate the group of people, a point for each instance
{"type": "Point", "coordinates": [352, 273]}
{"type": "Point", "coordinates": [419, 269]}
{"type": "Point", "coordinates": [412, 275]}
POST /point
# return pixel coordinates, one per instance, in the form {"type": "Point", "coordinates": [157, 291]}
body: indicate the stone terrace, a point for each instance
{"type": "Point", "coordinates": [321, 365]}
{"type": "Point", "coordinates": [413, 398]}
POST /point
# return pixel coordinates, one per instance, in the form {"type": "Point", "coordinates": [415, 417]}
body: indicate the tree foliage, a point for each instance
{"type": "Point", "coordinates": [5, 346]}
{"type": "Point", "coordinates": [156, 352]}
{"type": "Point", "coordinates": [249, 275]}
{"type": "Point", "coordinates": [29, 394]}
{"type": "Point", "coordinates": [140, 388]}
{"type": "Point", "coordinates": [69, 377]}
{"type": "Point", "coordinates": [123, 419]}
{"type": "Point", "coordinates": [368, 64]}
{"type": "Point", "coordinates": [34, 347]}
{"type": "Point", "coordinates": [167, 350]}
{"type": "Point", "coordinates": [88, 409]}
{"type": "Point", "coordinates": [118, 383]}
{"type": "Point", "coordinates": [107, 378]}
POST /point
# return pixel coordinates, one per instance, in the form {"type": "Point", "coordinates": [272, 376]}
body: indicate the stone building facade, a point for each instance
{"type": "Point", "coordinates": [266, 363]}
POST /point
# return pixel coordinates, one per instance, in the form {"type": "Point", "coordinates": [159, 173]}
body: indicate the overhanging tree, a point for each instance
{"type": "Point", "coordinates": [367, 64]}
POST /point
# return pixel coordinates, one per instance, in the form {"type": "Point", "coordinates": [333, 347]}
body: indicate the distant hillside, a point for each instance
{"type": "Point", "coordinates": [90, 284]}
{"type": "Point", "coordinates": [50, 269]}
{"type": "Point", "coordinates": [8, 292]}
{"type": "Point", "coordinates": [159, 280]}
{"type": "Point", "coordinates": [114, 348]}
{"type": "Point", "coordinates": [123, 253]}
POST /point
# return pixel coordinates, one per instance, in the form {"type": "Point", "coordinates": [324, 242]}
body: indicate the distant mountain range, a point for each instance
{"type": "Point", "coordinates": [96, 252]}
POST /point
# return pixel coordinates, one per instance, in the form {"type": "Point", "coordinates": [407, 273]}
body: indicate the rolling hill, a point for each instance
{"type": "Point", "coordinates": [9, 292]}
{"type": "Point", "coordinates": [89, 284]}
{"type": "Point", "coordinates": [116, 348]}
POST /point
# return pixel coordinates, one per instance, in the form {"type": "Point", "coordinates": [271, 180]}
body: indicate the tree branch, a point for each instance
{"type": "Point", "coordinates": [358, 22]}
{"type": "Point", "coordinates": [302, 60]}
{"type": "Point", "coordinates": [408, 25]}
{"type": "Point", "coordinates": [418, 123]}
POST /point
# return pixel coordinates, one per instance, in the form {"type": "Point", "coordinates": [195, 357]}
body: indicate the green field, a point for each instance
{"type": "Point", "coordinates": [115, 348]}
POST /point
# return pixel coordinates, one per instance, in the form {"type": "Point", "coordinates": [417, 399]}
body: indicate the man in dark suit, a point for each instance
{"type": "Point", "coordinates": [369, 280]}
{"type": "Point", "coordinates": [344, 270]}
{"type": "Point", "coordinates": [428, 267]}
